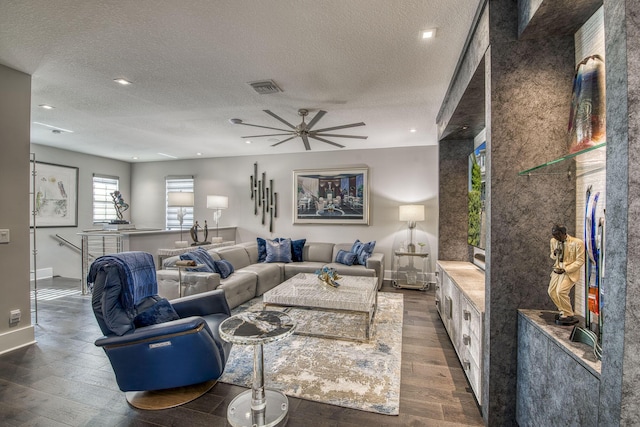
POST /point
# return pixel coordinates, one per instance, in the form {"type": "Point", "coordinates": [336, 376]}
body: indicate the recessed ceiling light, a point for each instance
{"type": "Point", "coordinates": [248, 142]}
{"type": "Point", "coordinates": [464, 127]}
{"type": "Point", "coordinates": [53, 127]}
{"type": "Point", "coordinates": [428, 34]}
{"type": "Point", "coordinates": [135, 157]}
{"type": "Point", "coordinates": [46, 106]}
{"type": "Point", "coordinates": [198, 154]}
{"type": "Point", "coordinates": [121, 81]}
{"type": "Point", "coordinates": [413, 130]}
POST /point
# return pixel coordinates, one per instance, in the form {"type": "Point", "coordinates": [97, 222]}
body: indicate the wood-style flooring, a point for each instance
{"type": "Point", "coordinates": [64, 380]}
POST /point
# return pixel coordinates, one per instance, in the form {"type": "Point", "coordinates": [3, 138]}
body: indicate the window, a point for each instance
{"type": "Point", "coordinates": [103, 209]}
{"type": "Point", "coordinates": [183, 184]}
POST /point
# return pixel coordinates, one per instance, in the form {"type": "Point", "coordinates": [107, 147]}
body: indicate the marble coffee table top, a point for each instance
{"type": "Point", "coordinates": [355, 293]}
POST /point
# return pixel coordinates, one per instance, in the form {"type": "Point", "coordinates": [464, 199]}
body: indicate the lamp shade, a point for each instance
{"type": "Point", "coordinates": [412, 213]}
{"type": "Point", "coordinates": [180, 199]}
{"type": "Point", "coordinates": [217, 202]}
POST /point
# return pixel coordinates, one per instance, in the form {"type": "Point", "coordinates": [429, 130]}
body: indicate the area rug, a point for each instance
{"type": "Point", "coordinates": [358, 375]}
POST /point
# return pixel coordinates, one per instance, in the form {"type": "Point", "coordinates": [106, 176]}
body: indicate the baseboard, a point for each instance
{"type": "Point", "coordinates": [42, 273]}
{"type": "Point", "coordinates": [15, 339]}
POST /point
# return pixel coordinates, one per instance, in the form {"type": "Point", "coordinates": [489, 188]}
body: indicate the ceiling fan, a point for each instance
{"type": "Point", "coordinates": [303, 130]}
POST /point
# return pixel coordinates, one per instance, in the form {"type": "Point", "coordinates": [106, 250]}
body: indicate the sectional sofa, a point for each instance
{"type": "Point", "coordinates": [252, 278]}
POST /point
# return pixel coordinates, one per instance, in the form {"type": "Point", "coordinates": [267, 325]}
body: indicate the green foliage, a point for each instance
{"type": "Point", "coordinates": [475, 206]}
{"type": "Point", "coordinates": [475, 211]}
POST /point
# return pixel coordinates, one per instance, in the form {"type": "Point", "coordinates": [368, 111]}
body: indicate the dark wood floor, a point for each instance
{"type": "Point", "coordinates": [64, 380]}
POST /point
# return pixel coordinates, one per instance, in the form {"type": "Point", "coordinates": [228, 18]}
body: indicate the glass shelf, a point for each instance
{"type": "Point", "coordinates": [561, 166]}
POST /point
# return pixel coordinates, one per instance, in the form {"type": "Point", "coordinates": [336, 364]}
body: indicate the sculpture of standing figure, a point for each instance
{"type": "Point", "coordinates": [194, 233]}
{"type": "Point", "coordinates": [568, 254]}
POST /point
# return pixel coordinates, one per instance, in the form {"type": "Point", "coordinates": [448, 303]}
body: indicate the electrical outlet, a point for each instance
{"type": "Point", "coordinates": [5, 236]}
{"type": "Point", "coordinates": [14, 316]}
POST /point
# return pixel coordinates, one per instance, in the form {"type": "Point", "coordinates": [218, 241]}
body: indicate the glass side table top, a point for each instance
{"type": "Point", "coordinates": [260, 327]}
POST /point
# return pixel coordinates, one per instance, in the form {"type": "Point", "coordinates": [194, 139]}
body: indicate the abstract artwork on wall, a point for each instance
{"type": "Point", "coordinates": [54, 196]}
{"type": "Point", "coordinates": [265, 200]}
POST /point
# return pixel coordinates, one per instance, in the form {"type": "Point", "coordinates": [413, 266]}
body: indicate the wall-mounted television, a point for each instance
{"type": "Point", "coordinates": [476, 232]}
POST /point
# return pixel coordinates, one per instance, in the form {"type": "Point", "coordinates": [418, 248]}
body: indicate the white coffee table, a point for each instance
{"type": "Point", "coordinates": [356, 294]}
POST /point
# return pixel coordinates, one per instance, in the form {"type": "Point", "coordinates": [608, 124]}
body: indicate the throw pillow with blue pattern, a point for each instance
{"type": "Point", "coordinates": [363, 251]}
{"type": "Point", "coordinates": [153, 310]}
{"type": "Point", "coordinates": [224, 267]}
{"type": "Point", "coordinates": [200, 256]}
{"type": "Point", "coordinates": [278, 251]}
{"type": "Point", "coordinates": [297, 247]}
{"type": "Point", "coordinates": [346, 258]}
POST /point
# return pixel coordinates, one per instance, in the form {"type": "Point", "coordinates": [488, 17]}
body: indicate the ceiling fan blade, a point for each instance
{"type": "Point", "coordinates": [270, 134]}
{"type": "Point", "coordinates": [352, 125]}
{"type": "Point", "coordinates": [284, 140]}
{"type": "Point", "coordinates": [264, 127]}
{"type": "Point", "coordinates": [315, 119]}
{"type": "Point", "coordinates": [338, 136]}
{"type": "Point", "coordinates": [306, 142]}
{"type": "Point", "coordinates": [275, 116]}
{"type": "Point", "coordinates": [327, 141]}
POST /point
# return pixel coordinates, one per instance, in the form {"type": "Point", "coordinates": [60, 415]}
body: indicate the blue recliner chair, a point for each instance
{"type": "Point", "coordinates": [154, 344]}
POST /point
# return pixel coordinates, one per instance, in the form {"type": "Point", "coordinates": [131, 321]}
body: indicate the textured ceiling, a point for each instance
{"type": "Point", "coordinates": [190, 62]}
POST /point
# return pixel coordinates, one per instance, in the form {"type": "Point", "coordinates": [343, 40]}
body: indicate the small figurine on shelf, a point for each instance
{"type": "Point", "coordinates": [568, 253]}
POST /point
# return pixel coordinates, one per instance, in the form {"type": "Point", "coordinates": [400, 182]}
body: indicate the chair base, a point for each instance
{"type": "Point", "coordinates": [169, 398]}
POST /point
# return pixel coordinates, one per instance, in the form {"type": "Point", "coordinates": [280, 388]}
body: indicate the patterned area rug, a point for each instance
{"type": "Point", "coordinates": [364, 376]}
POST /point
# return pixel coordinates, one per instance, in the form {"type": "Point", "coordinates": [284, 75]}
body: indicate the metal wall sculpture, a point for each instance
{"type": "Point", "coordinates": [265, 200]}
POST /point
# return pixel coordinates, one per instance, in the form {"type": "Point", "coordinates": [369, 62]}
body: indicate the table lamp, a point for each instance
{"type": "Point", "coordinates": [217, 203]}
{"type": "Point", "coordinates": [411, 214]}
{"type": "Point", "coordinates": [181, 200]}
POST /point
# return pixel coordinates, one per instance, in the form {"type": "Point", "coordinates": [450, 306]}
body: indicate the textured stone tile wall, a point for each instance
{"type": "Point", "coordinates": [621, 338]}
{"type": "Point", "coordinates": [530, 87]}
{"type": "Point", "coordinates": [452, 227]}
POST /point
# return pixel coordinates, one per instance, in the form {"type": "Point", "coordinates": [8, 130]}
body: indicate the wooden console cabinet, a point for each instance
{"type": "Point", "coordinates": [460, 303]}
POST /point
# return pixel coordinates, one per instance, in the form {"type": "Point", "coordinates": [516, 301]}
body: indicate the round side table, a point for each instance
{"type": "Point", "coordinates": [258, 406]}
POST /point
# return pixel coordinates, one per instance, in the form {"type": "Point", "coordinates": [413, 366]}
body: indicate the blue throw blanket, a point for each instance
{"type": "Point", "coordinates": [137, 276]}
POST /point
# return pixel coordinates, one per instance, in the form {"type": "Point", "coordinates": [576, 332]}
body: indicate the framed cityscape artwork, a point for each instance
{"type": "Point", "coordinates": [331, 196]}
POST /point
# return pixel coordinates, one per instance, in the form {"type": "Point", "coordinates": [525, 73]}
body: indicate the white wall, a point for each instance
{"type": "Point", "coordinates": [15, 107]}
{"type": "Point", "coordinates": [63, 260]}
{"type": "Point", "coordinates": [397, 176]}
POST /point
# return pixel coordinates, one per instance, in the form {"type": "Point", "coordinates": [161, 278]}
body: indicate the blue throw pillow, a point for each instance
{"type": "Point", "coordinates": [154, 310]}
{"type": "Point", "coordinates": [363, 250]}
{"type": "Point", "coordinates": [224, 267]}
{"type": "Point", "coordinates": [262, 249]}
{"type": "Point", "coordinates": [346, 258]}
{"type": "Point", "coordinates": [278, 251]}
{"type": "Point", "coordinates": [296, 249]}
{"type": "Point", "coordinates": [200, 256]}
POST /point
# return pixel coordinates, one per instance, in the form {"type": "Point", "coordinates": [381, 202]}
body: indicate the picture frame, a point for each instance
{"type": "Point", "coordinates": [55, 195]}
{"type": "Point", "coordinates": [331, 196]}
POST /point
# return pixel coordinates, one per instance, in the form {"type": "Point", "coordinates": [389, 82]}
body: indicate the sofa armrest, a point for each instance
{"type": "Point", "coordinates": [202, 304]}
{"type": "Point", "coordinates": [376, 262]}
{"type": "Point", "coordinates": [193, 282]}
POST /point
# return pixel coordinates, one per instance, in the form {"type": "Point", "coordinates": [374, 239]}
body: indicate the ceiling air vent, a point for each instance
{"type": "Point", "coordinates": [265, 87]}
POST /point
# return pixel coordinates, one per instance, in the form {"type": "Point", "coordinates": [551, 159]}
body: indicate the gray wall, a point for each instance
{"type": "Point", "coordinates": [397, 176]}
{"type": "Point", "coordinates": [454, 189]}
{"type": "Point", "coordinates": [15, 105]}
{"type": "Point", "coordinates": [63, 260]}
{"type": "Point", "coordinates": [621, 338]}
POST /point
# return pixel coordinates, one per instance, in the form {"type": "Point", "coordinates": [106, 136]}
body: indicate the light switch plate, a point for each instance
{"type": "Point", "coordinates": [5, 237]}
